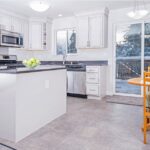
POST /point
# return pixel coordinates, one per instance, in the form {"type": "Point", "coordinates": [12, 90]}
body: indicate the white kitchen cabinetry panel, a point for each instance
{"type": "Point", "coordinates": [16, 25]}
{"type": "Point", "coordinates": [6, 21]}
{"type": "Point", "coordinates": [95, 31]}
{"type": "Point", "coordinates": [92, 30]}
{"type": "Point", "coordinates": [82, 34]}
{"type": "Point", "coordinates": [92, 77]}
{"type": "Point", "coordinates": [95, 82]}
{"type": "Point", "coordinates": [92, 69]}
{"type": "Point", "coordinates": [35, 32]}
{"type": "Point", "coordinates": [40, 34]}
{"type": "Point", "coordinates": [25, 33]}
{"type": "Point", "coordinates": [92, 89]}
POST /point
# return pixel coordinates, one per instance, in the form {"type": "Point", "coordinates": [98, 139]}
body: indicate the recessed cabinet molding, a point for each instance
{"type": "Point", "coordinates": [92, 29]}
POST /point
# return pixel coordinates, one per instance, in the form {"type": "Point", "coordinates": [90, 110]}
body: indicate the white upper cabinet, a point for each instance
{"type": "Point", "coordinates": [16, 25]}
{"type": "Point", "coordinates": [10, 23]}
{"type": "Point", "coordinates": [39, 34]}
{"type": "Point", "coordinates": [36, 32]}
{"type": "Point", "coordinates": [5, 21]}
{"type": "Point", "coordinates": [35, 35]}
{"type": "Point", "coordinates": [95, 31]}
{"type": "Point", "coordinates": [82, 32]}
{"type": "Point", "coordinates": [25, 33]}
{"type": "Point", "coordinates": [92, 29]}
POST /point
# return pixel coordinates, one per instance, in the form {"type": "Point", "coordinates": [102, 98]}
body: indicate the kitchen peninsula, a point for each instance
{"type": "Point", "coordinates": [30, 99]}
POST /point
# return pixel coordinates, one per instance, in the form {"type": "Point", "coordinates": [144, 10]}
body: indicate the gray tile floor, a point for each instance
{"type": "Point", "coordinates": [90, 125]}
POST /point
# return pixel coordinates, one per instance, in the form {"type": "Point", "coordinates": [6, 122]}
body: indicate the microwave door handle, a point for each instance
{"type": "Point", "coordinates": [19, 41]}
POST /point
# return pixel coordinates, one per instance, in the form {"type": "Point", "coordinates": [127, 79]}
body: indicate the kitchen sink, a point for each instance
{"type": "Point", "coordinates": [75, 66]}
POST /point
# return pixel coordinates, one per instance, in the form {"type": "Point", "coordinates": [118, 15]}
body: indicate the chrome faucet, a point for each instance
{"type": "Point", "coordinates": [64, 58]}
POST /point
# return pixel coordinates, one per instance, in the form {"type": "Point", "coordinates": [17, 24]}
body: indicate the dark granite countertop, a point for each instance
{"type": "Point", "coordinates": [28, 70]}
{"type": "Point", "coordinates": [87, 63]}
{"type": "Point", "coordinates": [53, 65]}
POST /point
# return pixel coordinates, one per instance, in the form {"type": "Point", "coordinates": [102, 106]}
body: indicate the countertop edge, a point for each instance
{"type": "Point", "coordinates": [30, 71]}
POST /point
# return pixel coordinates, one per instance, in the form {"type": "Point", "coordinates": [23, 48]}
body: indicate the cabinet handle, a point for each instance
{"type": "Point", "coordinates": [91, 70]}
{"type": "Point", "coordinates": [92, 90]}
{"type": "Point", "coordinates": [92, 78]}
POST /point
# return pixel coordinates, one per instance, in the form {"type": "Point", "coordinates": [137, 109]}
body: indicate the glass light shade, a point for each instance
{"type": "Point", "coordinates": [137, 14]}
{"type": "Point", "coordinates": [39, 6]}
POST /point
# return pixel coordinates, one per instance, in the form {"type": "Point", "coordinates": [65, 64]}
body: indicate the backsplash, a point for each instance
{"type": "Point", "coordinates": [48, 55]}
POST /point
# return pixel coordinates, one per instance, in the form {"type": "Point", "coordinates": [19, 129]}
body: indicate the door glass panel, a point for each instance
{"type": "Point", "coordinates": [146, 46]}
{"type": "Point", "coordinates": [128, 58]}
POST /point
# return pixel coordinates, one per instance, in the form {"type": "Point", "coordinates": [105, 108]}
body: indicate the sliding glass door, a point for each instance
{"type": "Point", "coordinates": [146, 46]}
{"type": "Point", "coordinates": [128, 57]}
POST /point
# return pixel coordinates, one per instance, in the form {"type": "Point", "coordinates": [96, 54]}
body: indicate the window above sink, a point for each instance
{"type": "Point", "coordinates": [66, 41]}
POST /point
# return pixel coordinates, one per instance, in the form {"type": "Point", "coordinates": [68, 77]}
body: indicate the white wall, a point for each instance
{"type": "Point", "coordinates": [116, 17]}
{"type": "Point", "coordinates": [26, 54]}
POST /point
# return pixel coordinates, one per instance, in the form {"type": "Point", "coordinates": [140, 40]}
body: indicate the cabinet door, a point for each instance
{"type": "Point", "coordinates": [95, 31]}
{"type": "Point", "coordinates": [82, 32]}
{"type": "Point", "coordinates": [5, 21]}
{"type": "Point", "coordinates": [16, 25]}
{"type": "Point", "coordinates": [36, 36]}
{"type": "Point", "coordinates": [70, 82]}
{"type": "Point", "coordinates": [25, 33]}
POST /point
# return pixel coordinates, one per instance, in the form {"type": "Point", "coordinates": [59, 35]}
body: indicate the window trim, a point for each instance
{"type": "Point", "coordinates": [55, 42]}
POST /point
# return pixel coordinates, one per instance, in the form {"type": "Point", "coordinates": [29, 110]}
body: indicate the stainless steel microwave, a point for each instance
{"type": "Point", "coordinates": [11, 39]}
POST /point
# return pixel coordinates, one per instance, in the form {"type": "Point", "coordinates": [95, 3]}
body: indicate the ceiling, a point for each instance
{"type": "Point", "coordinates": [65, 7]}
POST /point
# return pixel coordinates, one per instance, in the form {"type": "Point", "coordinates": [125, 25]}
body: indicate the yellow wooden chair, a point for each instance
{"type": "Point", "coordinates": [146, 104]}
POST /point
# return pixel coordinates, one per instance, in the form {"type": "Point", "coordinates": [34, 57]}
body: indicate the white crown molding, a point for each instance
{"type": "Point", "coordinates": [11, 13]}
{"type": "Point", "coordinates": [39, 19]}
{"type": "Point", "coordinates": [95, 12]}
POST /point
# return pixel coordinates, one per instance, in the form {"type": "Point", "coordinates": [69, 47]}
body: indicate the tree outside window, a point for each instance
{"type": "Point", "coordinates": [66, 42]}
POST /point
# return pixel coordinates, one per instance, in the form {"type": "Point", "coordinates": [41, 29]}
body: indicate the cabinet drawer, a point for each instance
{"type": "Point", "coordinates": [92, 77]}
{"type": "Point", "coordinates": [93, 69]}
{"type": "Point", "coordinates": [92, 89]}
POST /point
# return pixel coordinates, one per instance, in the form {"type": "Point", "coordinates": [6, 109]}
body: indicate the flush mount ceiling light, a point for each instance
{"type": "Point", "coordinates": [139, 11]}
{"type": "Point", "coordinates": [39, 5]}
{"type": "Point", "coordinates": [59, 15]}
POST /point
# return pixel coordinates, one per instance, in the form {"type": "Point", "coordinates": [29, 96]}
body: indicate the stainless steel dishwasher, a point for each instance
{"type": "Point", "coordinates": [76, 81]}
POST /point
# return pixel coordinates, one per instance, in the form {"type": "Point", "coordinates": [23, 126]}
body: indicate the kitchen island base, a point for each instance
{"type": "Point", "coordinates": [29, 101]}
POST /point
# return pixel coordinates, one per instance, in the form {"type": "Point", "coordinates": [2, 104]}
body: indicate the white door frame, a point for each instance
{"type": "Point", "coordinates": [114, 55]}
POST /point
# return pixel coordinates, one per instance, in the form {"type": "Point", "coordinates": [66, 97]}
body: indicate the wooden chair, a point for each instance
{"type": "Point", "coordinates": [146, 110]}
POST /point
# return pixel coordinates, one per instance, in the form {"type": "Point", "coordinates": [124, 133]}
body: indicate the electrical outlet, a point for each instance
{"type": "Point", "coordinates": [47, 84]}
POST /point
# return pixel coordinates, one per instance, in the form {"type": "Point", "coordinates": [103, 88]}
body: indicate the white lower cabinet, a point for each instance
{"type": "Point", "coordinates": [92, 78]}
{"type": "Point", "coordinates": [95, 82]}
{"type": "Point", "coordinates": [92, 89]}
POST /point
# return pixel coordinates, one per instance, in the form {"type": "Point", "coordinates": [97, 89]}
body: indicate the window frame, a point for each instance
{"type": "Point", "coordinates": [65, 29]}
